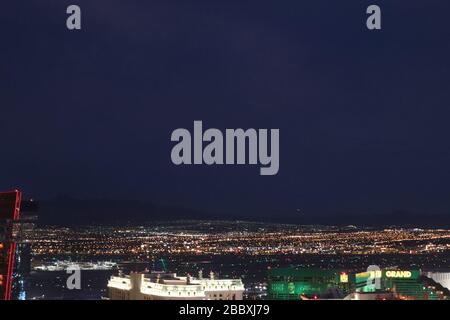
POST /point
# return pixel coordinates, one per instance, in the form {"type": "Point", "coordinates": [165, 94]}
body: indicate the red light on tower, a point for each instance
{"type": "Point", "coordinates": [9, 212]}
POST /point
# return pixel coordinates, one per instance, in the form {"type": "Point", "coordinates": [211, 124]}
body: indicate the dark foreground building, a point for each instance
{"type": "Point", "coordinates": [22, 265]}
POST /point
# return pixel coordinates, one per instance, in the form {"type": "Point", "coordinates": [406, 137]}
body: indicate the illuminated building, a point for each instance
{"type": "Point", "coordinates": [169, 286]}
{"type": "Point", "coordinates": [22, 265]}
{"type": "Point", "coordinates": [388, 284]}
{"type": "Point", "coordinates": [404, 284]}
{"type": "Point", "coordinates": [441, 277]}
{"type": "Point", "coordinates": [305, 283]}
{"type": "Point", "coordinates": [9, 213]}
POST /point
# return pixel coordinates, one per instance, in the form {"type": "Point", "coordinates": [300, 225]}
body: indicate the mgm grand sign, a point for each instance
{"type": "Point", "coordinates": [399, 274]}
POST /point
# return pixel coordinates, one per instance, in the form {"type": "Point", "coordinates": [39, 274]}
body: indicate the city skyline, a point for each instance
{"type": "Point", "coordinates": [169, 260]}
{"type": "Point", "coordinates": [245, 260]}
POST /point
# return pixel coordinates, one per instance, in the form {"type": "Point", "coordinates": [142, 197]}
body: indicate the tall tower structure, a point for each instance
{"type": "Point", "coordinates": [9, 213]}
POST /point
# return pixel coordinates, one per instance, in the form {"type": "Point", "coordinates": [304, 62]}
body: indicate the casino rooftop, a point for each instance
{"type": "Point", "coordinates": [169, 286]}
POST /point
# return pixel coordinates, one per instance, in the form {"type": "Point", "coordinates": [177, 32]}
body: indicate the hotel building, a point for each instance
{"type": "Point", "coordinates": [169, 286]}
{"type": "Point", "coordinates": [441, 277]}
{"type": "Point", "coordinates": [386, 284]}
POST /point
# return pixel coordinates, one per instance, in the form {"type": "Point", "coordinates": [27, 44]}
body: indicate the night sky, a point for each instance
{"type": "Point", "coordinates": [364, 116]}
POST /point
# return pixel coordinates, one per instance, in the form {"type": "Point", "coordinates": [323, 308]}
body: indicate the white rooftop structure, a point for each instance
{"type": "Point", "coordinates": [169, 286]}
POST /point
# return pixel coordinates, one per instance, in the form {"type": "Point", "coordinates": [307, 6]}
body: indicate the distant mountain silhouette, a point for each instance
{"type": "Point", "coordinates": [396, 218]}
{"type": "Point", "coordinates": [71, 211]}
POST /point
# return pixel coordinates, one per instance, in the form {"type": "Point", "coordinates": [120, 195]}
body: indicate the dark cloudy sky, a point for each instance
{"type": "Point", "coordinates": [364, 117]}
